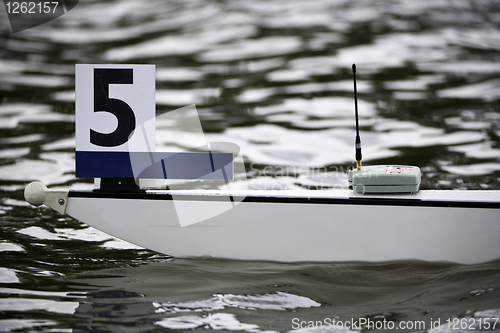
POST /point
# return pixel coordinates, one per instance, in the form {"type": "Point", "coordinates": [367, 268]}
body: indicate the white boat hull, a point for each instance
{"type": "Point", "coordinates": [454, 226]}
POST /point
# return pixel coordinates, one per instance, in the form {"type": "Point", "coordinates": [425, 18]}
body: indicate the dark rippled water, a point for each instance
{"type": "Point", "coordinates": [274, 77]}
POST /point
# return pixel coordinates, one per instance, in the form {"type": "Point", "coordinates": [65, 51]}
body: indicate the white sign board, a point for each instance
{"type": "Point", "coordinates": [111, 102]}
{"type": "Point", "coordinates": [115, 129]}
{"type": "Point", "coordinates": [115, 115]}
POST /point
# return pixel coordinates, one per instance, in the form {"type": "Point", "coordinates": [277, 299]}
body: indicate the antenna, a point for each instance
{"type": "Point", "coordinates": [358, 139]}
{"type": "Point", "coordinates": [380, 178]}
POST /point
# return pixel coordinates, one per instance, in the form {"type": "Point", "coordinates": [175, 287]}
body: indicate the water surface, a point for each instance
{"type": "Point", "coordinates": [273, 77]}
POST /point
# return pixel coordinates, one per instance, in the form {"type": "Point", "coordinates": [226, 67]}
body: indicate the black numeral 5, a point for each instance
{"type": "Point", "coordinates": [103, 77]}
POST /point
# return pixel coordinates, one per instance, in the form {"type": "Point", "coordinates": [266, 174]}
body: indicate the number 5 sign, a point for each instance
{"type": "Point", "coordinates": [111, 102]}
{"type": "Point", "coordinates": [115, 129]}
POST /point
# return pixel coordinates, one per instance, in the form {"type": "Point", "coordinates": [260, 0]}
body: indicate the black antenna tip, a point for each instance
{"type": "Point", "coordinates": [354, 68]}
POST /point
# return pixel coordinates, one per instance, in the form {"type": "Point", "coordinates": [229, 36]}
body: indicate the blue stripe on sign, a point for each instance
{"type": "Point", "coordinates": [154, 165]}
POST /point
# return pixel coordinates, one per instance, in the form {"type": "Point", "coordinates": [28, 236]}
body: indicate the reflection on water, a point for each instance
{"type": "Point", "coordinates": [428, 81]}
{"type": "Point", "coordinates": [273, 77]}
{"type": "Point", "coordinates": [181, 294]}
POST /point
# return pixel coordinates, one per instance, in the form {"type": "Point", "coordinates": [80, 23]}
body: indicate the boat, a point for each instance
{"type": "Point", "coordinates": [390, 218]}
{"type": "Point", "coordinates": [290, 226]}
